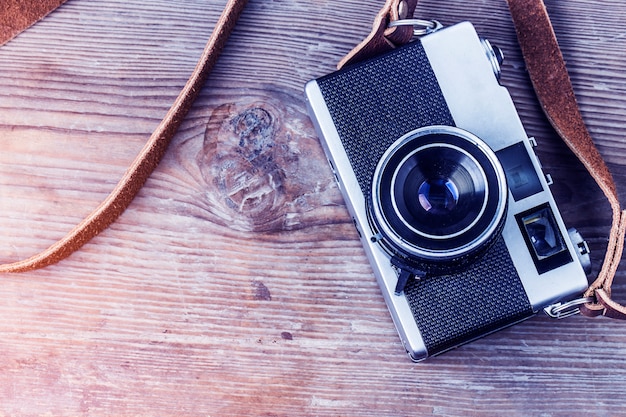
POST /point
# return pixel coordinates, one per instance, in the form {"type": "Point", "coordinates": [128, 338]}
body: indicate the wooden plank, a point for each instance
{"type": "Point", "coordinates": [235, 284]}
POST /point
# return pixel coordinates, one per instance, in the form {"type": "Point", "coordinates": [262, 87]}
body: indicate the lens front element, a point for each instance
{"type": "Point", "coordinates": [438, 193]}
{"type": "Point", "coordinates": [438, 196]}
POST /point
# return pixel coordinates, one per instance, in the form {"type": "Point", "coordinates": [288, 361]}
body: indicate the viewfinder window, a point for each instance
{"type": "Point", "coordinates": [544, 239]}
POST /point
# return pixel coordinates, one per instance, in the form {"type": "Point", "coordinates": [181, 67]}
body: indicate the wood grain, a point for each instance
{"type": "Point", "coordinates": [235, 284]}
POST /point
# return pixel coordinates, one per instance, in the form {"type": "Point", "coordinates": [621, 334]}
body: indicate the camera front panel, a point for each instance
{"type": "Point", "coordinates": [445, 79]}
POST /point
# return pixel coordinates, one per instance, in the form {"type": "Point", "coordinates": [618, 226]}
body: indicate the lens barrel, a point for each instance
{"type": "Point", "coordinates": [439, 198]}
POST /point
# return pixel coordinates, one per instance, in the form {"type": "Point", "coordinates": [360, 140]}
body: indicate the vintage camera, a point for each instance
{"type": "Point", "coordinates": [449, 199]}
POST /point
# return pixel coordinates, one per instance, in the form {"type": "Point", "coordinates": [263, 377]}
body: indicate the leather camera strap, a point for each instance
{"type": "Point", "coordinates": [554, 90]}
{"type": "Point", "coordinates": [550, 79]}
{"type": "Point", "coordinates": [18, 15]}
{"type": "Point", "coordinates": [27, 12]}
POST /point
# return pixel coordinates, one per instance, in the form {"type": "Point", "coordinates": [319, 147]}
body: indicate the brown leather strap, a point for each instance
{"type": "Point", "coordinates": [553, 87]}
{"type": "Point", "coordinates": [18, 15]}
{"type": "Point", "coordinates": [382, 37]}
{"type": "Point", "coordinates": [149, 157]}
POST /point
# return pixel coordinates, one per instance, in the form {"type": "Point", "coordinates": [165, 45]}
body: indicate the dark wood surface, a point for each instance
{"type": "Point", "coordinates": [235, 284]}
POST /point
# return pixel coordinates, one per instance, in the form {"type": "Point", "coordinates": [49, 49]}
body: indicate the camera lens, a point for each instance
{"type": "Point", "coordinates": [438, 195]}
{"type": "Point", "coordinates": [438, 190]}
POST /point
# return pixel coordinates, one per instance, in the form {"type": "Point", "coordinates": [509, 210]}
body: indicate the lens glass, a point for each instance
{"type": "Point", "coordinates": [438, 195]}
{"type": "Point", "coordinates": [439, 191]}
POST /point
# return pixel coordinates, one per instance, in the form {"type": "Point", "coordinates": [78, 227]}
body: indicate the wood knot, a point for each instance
{"type": "Point", "coordinates": [261, 292]}
{"type": "Point", "coordinates": [265, 167]}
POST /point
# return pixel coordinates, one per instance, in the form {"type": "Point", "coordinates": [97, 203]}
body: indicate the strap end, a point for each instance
{"type": "Point", "coordinates": [383, 38]}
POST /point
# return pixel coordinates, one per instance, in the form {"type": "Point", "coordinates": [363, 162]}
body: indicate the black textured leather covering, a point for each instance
{"type": "Point", "coordinates": [454, 309]}
{"type": "Point", "coordinates": [375, 102]}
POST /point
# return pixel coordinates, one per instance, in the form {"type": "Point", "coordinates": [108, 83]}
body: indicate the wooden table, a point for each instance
{"type": "Point", "coordinates": [235, 284]}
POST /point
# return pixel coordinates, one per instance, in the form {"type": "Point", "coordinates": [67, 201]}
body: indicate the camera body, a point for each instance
{"type": "Point", "coordinates": [449, 199]}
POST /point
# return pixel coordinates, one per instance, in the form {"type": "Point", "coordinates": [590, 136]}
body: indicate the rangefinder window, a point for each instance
{"type": "Point", "coordinates": [521, 176]}
{"type": "Point", "coordinates": [544, 239]}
